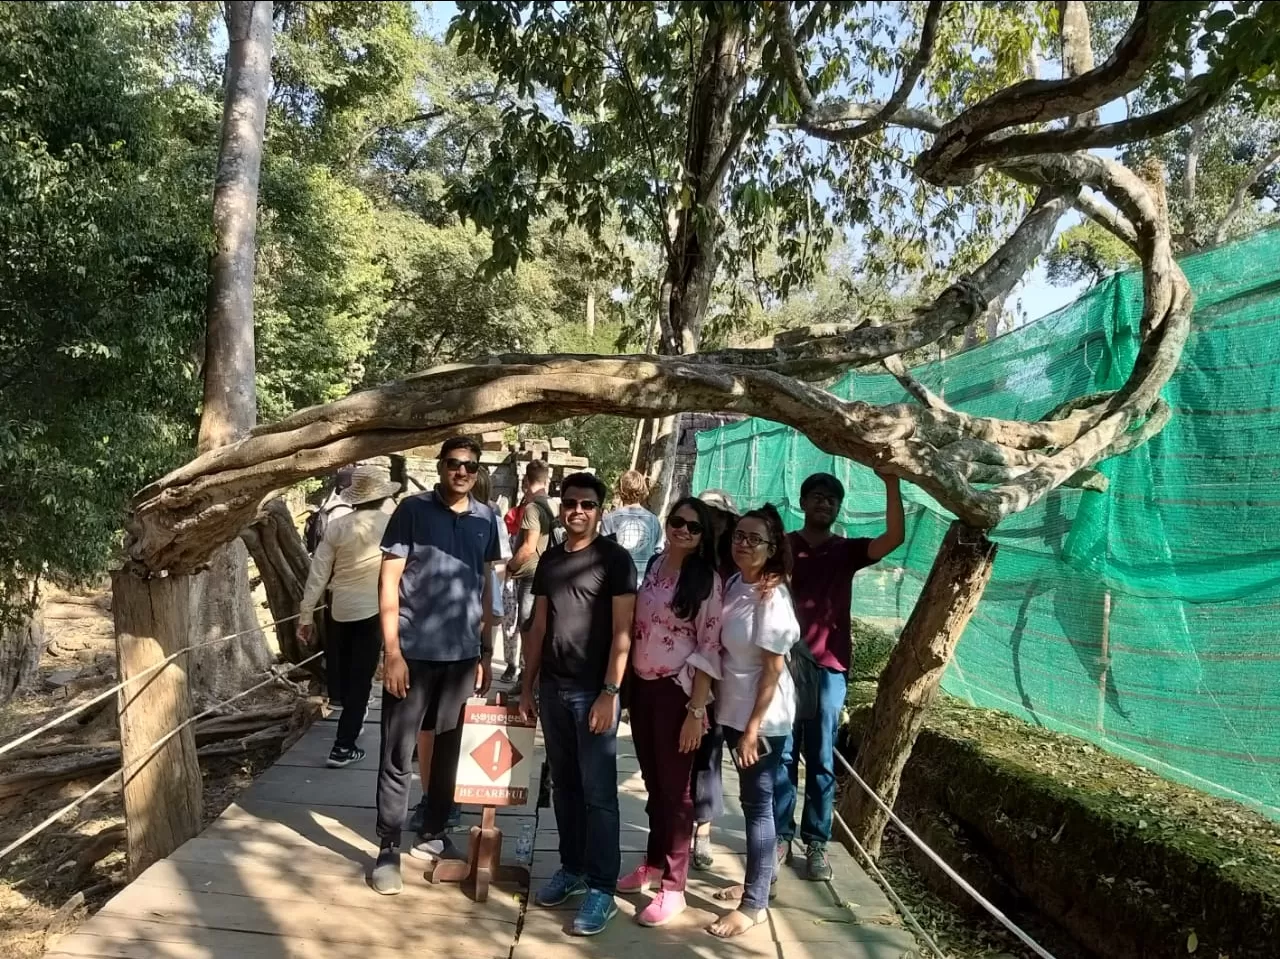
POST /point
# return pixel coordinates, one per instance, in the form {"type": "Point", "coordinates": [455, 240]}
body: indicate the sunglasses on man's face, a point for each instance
{"type": "Point", "coordinates": [586, 505]}
{"type": "Point", "coordinates": [453, 464]}
{"type": "Point", "coordinates": [679, 522]}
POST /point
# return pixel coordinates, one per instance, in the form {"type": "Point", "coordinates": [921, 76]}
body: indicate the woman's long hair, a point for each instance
{"type": "Point", "coordinates": [698, 571]}
{"type": "Point", "coordinates": [777, 568]}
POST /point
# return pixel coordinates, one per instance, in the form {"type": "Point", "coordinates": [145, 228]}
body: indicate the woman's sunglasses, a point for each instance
{"type": "Point", "coordinates": [453, 465]}
{"type": "Point", "coordinates": [679, 522]}
{"type": "Point", "coordinates": [750, 539]}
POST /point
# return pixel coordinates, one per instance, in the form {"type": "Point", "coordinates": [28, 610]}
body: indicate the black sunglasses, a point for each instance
{"type": "Point", "coordinates": [679, 522]}
{"type": "Point", "coordinates": [586, 505]}
{"type": "Point", "coordinates": [453, 464]}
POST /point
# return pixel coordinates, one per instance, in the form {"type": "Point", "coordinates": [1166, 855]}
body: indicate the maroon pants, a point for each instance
{"type": "Point", "coordinates": [657, 713]}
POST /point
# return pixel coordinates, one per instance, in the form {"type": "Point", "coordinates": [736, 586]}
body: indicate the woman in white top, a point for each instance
{"type": "Point", "coordinates": [756, 699]}
{"type": "Point", "coordinates": [347, 562]}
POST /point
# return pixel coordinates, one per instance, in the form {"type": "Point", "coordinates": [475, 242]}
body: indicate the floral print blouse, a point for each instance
{"type": "Point", "coordinates": [663, 644]}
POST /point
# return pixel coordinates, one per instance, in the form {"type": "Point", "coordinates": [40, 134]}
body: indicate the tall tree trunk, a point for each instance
{"type": "Point", "coordinates": [910, 681]}
{"type": "Point", "coordinates": [21, 646]}
{"type": "Point", "coordinates": [692, 250]}
{"type": "Point", "coordinates": [591, 312]}
{"type": "Point", "coordinates": [222, 603]}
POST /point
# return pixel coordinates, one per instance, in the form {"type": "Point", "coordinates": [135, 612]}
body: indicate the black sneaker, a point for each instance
{"type": "Point", "coordinates": [434, 848]}
{"type": "Point", "coordinates": [818, 867]}
{"type": "Point", "coordinates": [386, 879]}
{"type": "Point", "coordinates": [339, 757]}
{"type": "Point", "coordinates": [509, 674]}
{"type": "Point", "coordinates": [418, 817]}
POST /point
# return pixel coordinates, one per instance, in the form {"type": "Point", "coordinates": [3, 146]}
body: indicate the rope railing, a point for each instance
{"type": "Point", "coordinates": [881, 878]}
{"type": "Point", "coordinates": [937, 860]}
{"type": "Point", "coordinates": [142, 674]}
{"type": "Point", "coordinates": [277, 673]}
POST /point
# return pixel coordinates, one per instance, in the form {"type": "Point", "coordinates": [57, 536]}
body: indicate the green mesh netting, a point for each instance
{"type": "Point", "coordinates": [1146, 618]}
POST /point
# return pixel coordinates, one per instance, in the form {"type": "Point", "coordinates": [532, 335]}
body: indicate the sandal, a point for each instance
{"type": "Point", "coordinates": [735, 923]}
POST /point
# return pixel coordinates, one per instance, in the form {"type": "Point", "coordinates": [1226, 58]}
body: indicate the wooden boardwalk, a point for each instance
{"type": "Point", "coordinates": [282, 874]}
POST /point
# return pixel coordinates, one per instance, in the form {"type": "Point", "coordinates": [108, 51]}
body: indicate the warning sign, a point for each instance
{"type": "Point", "coordinates": [496, 756]}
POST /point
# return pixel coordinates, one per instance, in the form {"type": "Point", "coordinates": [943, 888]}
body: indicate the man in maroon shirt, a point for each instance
{"type": "Point", "coordinates": [822, 587]}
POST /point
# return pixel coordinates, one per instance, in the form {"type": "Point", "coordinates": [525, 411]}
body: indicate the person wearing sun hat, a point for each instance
{"type": "Point", "coordinates": [347, 563]}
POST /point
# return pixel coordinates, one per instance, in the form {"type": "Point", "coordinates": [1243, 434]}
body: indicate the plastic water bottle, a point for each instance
{"type": "Point", "coordinates": [524, 844]}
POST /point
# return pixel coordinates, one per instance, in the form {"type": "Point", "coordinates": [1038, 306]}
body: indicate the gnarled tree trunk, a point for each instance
{"type": "Point", "coordinates": [910, 681]}
{"type": "Point", "coordinates": [283, 564]}
{"type": "Point", "coordinates": [21, 646]}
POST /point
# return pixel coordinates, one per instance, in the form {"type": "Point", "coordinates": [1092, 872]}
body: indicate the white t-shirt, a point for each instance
{"type": "Point", "coordinates": [750, 628]}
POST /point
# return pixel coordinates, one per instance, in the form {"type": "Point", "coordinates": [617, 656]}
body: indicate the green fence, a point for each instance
{"type": "Point", "coordinates": [1146, 618]}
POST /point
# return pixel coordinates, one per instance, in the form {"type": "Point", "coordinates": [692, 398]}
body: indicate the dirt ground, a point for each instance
{"type": "Point", "coordinates": [57, 879]}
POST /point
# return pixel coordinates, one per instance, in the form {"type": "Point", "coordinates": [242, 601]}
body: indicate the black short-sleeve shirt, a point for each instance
{"type": "Point", "coordinates": [445, 555]}
{"type": "Point", "coordinates": [580, 587]}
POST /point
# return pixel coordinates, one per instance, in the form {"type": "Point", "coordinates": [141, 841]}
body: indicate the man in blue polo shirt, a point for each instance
{"type": "Point", "coordinates": [434, 602]}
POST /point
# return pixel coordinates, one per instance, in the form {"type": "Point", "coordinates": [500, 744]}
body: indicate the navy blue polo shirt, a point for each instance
{"type": "Point", "coordinates": [444, 573]}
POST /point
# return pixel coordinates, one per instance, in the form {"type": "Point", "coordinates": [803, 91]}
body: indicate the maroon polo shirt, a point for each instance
{"type": "Point", "coordinates": [822, 587]}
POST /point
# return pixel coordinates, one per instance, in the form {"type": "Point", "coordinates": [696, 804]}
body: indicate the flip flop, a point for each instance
{"type": "Point", "coordinates": [760, 916]}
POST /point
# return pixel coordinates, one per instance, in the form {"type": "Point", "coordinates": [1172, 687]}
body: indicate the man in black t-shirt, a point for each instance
{"type": "Point", "coordinates": [584, 603]}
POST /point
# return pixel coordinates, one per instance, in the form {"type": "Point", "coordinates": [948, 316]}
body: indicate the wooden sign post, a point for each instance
{"type": "Point", "coordinates": [493, 770]}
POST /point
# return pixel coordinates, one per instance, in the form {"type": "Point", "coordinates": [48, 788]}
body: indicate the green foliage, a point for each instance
{"type": "Point", "coordinates": [101, 282]}
{"type": "Point", "coordinates": [1086, 253]}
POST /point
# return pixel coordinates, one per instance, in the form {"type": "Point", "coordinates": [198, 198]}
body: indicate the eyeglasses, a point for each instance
{"type": "Point", "coordinates": [586, 505]}
{"type": "Point", "coordinates": [453, 464]}
{"type": "Point", "coordinates": [749, 539]}
{"type": "Point", "coordinates": [679, 522]}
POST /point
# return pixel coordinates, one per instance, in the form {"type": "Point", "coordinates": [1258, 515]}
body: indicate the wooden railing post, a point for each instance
{"type": "Point", "coordinates": [162, 792]}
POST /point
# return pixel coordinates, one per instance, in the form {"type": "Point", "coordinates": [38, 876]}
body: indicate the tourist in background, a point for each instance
{"type": "Point", "coordinates": [576, 655]}
{"type": "Point", "coordinates": [756, 695]}
{"type": "Point", "coordinates": [346, 563]}
{"type": "Point", "coordinates": [435, 606]}
{"type": "Point", "coordinates": [536, 522]}
{"type": "Point", "coordinates": [675, 656]}
{"type": "Point", "coordinates": [632, 525]}
{"type": "Point", "coordinates": [822, 585]}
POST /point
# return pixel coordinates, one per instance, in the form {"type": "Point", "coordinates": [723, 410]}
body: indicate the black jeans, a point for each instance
{"type": "Point", "coordinates": [437, 693]}
{"type": "Point", "coordinates": [584, 785]}
{"type": "Point", "coordinates": [358, 645]}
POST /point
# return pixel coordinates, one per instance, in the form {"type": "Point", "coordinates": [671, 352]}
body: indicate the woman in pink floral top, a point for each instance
{"type": "Point", "coordinates": [676, 653]}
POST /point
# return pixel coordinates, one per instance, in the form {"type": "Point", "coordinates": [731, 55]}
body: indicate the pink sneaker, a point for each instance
{"type": "Point", "coordinates": [639, 879]}
{"type": "Point", "coordinates": [662, 908]}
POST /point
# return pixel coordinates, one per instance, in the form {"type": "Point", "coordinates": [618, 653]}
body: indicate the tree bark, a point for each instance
{"type": "Point", "coordinates": [223, 603]}
{"type": "Point", "coordinates": [21, 646]}
{"type": "Point", "coordinates": [692, 252]}
{"type": "Point", "coordinates": [910, 681]}
{"type": "Point", "coordinates": [282, 561]}
{"type": "Point", "coordinates": [162, 789]}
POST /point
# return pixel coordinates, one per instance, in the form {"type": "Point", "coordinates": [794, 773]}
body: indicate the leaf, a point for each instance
{"type": "Point", "coordinates": [1193, 942]}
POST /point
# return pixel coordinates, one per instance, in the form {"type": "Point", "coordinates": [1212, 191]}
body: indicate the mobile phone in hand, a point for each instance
{"type": "Point", "coordinates": [762, 749]}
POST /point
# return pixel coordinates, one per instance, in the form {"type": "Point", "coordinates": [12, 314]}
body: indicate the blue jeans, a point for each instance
{"type": "Point", "coordinates": [584, 785]}
{"type": "Point", "coordinates": [755, 788]}
{"type": "Point", "coordinates": [816, 739]}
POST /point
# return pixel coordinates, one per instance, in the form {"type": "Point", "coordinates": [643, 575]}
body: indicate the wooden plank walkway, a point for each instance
{"type": "Point", "coordinates": [282, 874]}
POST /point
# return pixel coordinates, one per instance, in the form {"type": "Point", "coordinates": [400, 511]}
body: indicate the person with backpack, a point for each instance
{"type": "Point", "coordinates": [537, 522]}
{"type": "Point", "coordinates": [822, 584]}
{"type": "Point", "coordinates": [675, 658]}
{"type": "Point", "coordinates": [346, 563]}
{"type": "Point", "coordinates": [756, 698]}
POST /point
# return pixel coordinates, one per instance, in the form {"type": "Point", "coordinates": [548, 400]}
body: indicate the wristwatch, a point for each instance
{"type": "Point", "coordinates": [611, 689]}
{"type": "Point", "coordinates": [698, 711]}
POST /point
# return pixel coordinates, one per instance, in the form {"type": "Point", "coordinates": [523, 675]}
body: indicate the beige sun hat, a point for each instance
{"type": "Point", "coordinates": [369, 483]}
{"type": "Point", "coordinates": [719, 499]}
